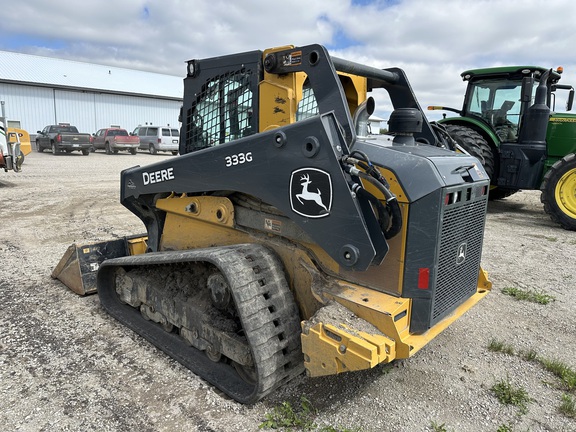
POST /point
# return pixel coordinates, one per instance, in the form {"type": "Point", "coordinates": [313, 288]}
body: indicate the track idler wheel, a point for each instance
{"type": "Point", "coordinates": [149, 314]}
{"type": "Point", "coordinates": [219, 291]}
{"type": "Point", "coordinates": [213, 354]}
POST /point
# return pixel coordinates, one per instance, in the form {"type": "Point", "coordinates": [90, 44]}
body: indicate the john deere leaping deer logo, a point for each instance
{"type": "Point", "coordinates": [461, 254]}
{"type": "Point", "coordinates": [307, 195]}
{"type": "Point", "coordinates": [311, 192]}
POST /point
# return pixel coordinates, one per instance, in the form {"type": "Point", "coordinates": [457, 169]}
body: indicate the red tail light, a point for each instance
{"type": "Point", "coordinates": [423, 278]}
{"type": "Point", "coordinates": [58, 138]}
{"type": "Point", "coordinates": [159, 140]}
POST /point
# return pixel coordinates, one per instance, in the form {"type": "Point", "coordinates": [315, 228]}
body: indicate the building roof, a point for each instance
{"type": "Point", "coordinates": [53, 72]}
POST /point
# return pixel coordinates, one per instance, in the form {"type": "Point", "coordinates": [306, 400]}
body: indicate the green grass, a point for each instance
{"type": "Point", "coordinates": [286, 417]}
{"type": "Point", "coordinates": [386, 368]}
{"type": "Point", "coordinates": [562, 371]}
{"type": "Point", "coordinates": [438, 428]}
{"type": "Point", "coordinates": [333, 429]}
{"type": "Point", "coordinates": [528, 295]}
{"type": "Point", "coordinates": [509, 394]}
{"type": "Point", "coordinates": [568, 406]}
{"type": "Point", "coordinates": [530, 355]}
{"type": "Point", "coordinates": [501, 347]}
{"type": "Point", "coordinates": [504, 428]}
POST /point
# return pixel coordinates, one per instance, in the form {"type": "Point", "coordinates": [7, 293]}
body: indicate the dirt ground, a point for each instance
{"type": "Point", "coordinates": [65, 365]}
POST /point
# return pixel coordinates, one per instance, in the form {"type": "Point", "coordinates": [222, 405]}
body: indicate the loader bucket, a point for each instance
{"type": "Point", "coordinates": [79, 265]}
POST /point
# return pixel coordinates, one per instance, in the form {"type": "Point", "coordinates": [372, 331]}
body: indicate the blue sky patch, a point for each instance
{"type": "Point", "coordinates": [341, 41]}
{"type": "Point", "coordinates": [380, 3]}
{"type": "Point", "coordinates": [16, 42]}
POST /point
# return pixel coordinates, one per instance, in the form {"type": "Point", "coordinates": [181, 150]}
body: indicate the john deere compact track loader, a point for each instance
{"type": "Point", "coordinates": [286, 237]}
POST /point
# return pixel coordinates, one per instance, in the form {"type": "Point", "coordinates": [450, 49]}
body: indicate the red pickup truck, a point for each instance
{"type": "Point", "coordinates": [115, 139]}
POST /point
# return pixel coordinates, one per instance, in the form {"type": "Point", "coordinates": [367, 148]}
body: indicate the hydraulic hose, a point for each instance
{"type": "Point", "coordinates": [384, 215]}
{"type": "Point", "coordinates": [445, 139]}
{"type": "Point", "coordinates": [364, 162]}
{"type": "Point", "coordinates": [392, 224]}
{"type": "Point", "coordinates": [392, 204]}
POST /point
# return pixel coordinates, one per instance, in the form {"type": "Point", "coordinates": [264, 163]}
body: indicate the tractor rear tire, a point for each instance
{"type": "Point", "coordinates": [474, 144]}
{"type": "Point", "coordinates": [559, 192]}
{"type": "Point", "coordinates": [477, 146]}
{"type": "Point", "coordinates": [498, 193]}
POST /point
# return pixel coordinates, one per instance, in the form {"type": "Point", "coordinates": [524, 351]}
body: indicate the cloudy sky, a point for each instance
{"type": "Point", "coordinates": [432, 40]}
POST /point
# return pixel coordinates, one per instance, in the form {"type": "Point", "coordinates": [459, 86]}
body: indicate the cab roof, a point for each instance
{"type": "Point", "coordinates": [510, 72]}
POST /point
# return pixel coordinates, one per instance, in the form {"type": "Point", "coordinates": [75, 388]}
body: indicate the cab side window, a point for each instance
{"type": "Point", "coordinates": [308, 106]}
{"type": "Point", "coordinates": [222, 111]}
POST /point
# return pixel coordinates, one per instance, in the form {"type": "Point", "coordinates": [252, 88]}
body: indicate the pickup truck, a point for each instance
{"type": "Point", "coordinates": [63, 138]}
{"type": "Point", "coordinates": [115, 139]}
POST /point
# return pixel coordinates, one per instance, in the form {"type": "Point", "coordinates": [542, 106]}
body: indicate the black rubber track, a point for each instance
{"type": "Point", "coordinates": [264, 303]}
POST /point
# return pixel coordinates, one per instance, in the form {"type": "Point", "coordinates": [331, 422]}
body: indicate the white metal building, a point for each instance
{"type": "Point", "coordinates": [39, 91]}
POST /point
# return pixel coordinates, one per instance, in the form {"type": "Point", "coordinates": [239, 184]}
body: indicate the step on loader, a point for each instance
{"type": "Point", "coordinates": [288, 237]}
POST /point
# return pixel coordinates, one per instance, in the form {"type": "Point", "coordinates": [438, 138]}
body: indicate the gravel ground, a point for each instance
{"type": "Point", "coordinates": [66, 365]}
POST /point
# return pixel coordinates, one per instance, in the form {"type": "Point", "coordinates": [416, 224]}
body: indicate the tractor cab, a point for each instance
{"type": "Point", "coordinates": [499, 97]}
{"type": "Point", "coordinates": [509, 122]}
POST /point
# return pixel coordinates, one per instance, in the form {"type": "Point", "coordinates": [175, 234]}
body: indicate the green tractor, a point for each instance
{"type": "Point", "coordinates": [508, 122]}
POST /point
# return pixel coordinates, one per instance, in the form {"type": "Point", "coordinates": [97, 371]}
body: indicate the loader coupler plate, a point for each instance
{"type": "Point", "coordinates": [79, 265]}
{"type": "Point", "coordinates": [336, 341]}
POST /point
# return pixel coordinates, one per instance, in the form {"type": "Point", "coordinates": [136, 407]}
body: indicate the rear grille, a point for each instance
{"type": "Point", "coordinates": [461, 231]}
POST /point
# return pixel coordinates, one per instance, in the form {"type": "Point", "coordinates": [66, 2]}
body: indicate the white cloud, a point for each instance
{"type": "Point", "coordinates": [432, 40]}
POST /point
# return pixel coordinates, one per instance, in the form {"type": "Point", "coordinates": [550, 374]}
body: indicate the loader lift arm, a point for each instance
{"type": "Point", "coordinates": [276, 158]}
